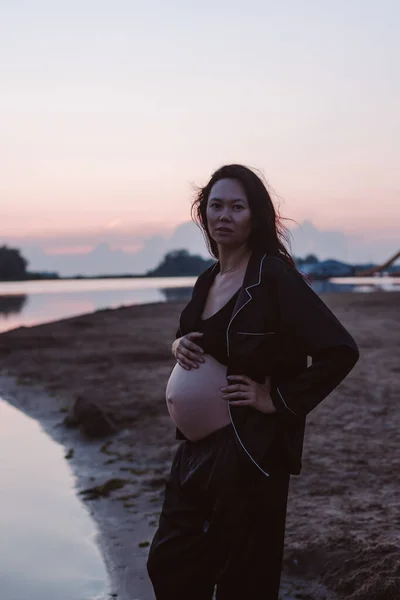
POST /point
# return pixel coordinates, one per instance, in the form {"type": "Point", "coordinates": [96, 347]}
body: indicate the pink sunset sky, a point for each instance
{"type": "Point", "coordinates": [111, 111]}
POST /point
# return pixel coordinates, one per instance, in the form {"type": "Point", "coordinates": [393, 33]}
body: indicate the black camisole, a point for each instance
{"type": "Point", "coordinates": [214, 328]}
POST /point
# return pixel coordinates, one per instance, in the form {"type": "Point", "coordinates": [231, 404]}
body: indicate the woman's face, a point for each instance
{"type": "Point", "coordinates": [228, 213]}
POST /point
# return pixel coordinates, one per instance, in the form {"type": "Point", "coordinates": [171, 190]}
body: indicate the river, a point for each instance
{"type": "Point", "coordinates": [48, 540]}
{"type": "Point", "coordinates": [33, 302]}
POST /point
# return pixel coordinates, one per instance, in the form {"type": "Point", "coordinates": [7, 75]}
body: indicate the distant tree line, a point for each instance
{"type": "Point", "coordinates": [13, 266]}
{"type": "Point", "coordinates": [179, 263]}
{"type": "Point", "coordinates": [310, 259]}
{"type": "Point", "coordinates": [176, 263]}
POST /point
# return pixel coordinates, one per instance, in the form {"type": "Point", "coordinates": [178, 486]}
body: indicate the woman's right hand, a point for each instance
{"type": "Point", "coordinates": [187, 353]}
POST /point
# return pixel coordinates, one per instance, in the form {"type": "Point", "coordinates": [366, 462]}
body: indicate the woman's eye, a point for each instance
{"type": "Point", "coordinates": [216, 205]}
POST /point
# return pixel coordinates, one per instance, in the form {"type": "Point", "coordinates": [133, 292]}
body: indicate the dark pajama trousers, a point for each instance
{"type": "Point", "coordinates": [222, 524]}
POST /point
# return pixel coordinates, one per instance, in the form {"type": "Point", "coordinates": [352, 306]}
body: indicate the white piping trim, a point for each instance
{"type": "Point", "coordinates": [285, 402]}
{"type": "Point", "coordinates": [227, 349]}
{"type": "Point", "coordinates": [243, 305]}
{"type": "Point", "coordinates": [241, 443]}
{"type": "Point", "coordinates": [254, 333]}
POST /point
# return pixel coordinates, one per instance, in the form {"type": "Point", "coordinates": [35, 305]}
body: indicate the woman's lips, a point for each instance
{"type": "Point", "coordinates": [224, 230]}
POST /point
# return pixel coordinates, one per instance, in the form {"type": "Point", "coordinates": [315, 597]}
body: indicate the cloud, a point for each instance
{"type": "Point", "coordinates": [121, 250]}
{"type": "Point", "coordinates": [123, 235]}
{"type": "Point", "coordinates": [113, 224]}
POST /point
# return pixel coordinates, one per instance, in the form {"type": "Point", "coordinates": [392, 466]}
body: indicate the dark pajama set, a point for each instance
{"type": "Point", "coordinates": [223, 520]}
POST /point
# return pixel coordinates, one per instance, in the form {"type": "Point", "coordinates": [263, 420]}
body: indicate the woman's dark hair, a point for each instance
{"type": "Point", "coordinates": [268, 232]}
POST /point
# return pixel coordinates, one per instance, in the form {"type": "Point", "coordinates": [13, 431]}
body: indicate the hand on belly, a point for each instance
{"type": "Point", "coordinates": [194, 398]}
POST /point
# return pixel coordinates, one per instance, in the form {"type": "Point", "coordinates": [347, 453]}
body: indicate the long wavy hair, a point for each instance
{"type": "Point", "coordinates": [268, 232]}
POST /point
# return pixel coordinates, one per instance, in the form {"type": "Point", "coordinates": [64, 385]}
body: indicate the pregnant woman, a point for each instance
{"type": "Point", "coordinates": [239, 395]}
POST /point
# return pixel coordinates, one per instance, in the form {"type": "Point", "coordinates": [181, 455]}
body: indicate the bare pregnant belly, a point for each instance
{"type": "Point", "coordinates": [194, 398]}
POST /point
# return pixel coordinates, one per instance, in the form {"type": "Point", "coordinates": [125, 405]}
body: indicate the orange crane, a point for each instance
{"type": "Point", "coordinates": [373, 270]}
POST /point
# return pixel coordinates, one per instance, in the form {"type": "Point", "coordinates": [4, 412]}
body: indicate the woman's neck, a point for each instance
{"type": "Point", "coordinates": [233, 260]}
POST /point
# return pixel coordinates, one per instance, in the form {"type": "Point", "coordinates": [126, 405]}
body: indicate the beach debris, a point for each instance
{"type": "Point", "coordinates": [157, 482]}
{"type": "Point", "coordinates": [92, 420]}
{"type": "Point", "coordinates": [128, 496]}
{"type": "Point", "coordinates": [144, 544]}
{"type": "Point", "coordinates": [105, 448]}
{"type": "Point", "coordinates": [104, 490]}
{"type": "Point", "coordinates": [69, 454]}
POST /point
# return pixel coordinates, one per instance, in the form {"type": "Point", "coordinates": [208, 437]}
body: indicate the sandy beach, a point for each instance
{"type": "Point", "coordinates": [342, 535]}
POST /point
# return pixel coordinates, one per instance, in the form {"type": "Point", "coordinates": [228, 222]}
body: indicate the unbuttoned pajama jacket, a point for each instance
{"type": "Point", "coordinates": [278, 321]}
{"type": "Point", "coordinates": [224, 511]}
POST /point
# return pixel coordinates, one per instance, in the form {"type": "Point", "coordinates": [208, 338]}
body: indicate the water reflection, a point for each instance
{"type": "Point", "coordinates": [47, 549]}
{"type": "Point", "coordinates": [10, 305]}
{"type": "Point", "coordinates": [178, 294]}
{"type": "Point", "coordinates": [325, 286]}
{"type": "Point", "coordinates": [366, 284]}
{"type": "Point", "coordinates": [42, 307]}
{"type": "Point", "coordinates": [35, 302]}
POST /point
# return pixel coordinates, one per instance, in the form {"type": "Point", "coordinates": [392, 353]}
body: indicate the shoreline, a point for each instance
{"type": "Point", "coordinates": [120, 533]}
{"type": "Point", "coordinates": [339, 528]}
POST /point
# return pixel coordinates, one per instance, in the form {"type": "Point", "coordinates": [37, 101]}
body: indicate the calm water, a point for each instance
{"type": "Point", "coordinates": [33, 302]}
{"type": "Point", "coordinates": [47, 548]}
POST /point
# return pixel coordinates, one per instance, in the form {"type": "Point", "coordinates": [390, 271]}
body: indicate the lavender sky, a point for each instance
{"type": "Point", "coordinates": [110, 111]}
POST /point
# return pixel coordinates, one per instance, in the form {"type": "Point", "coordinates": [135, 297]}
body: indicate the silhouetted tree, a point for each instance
{"type": "Point", "coordinates": [310, 259]}
{"type": "Point", "coordinates": [12, 264]}
{"type": "Point", "coordinates": [180, 263]}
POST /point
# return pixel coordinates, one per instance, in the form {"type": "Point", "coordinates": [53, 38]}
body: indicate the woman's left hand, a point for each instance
{"type": "Point", "coordinates": [243, 391]}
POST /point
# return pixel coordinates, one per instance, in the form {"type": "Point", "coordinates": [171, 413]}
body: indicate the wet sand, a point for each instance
{"type": "Point", "coordinates": [343, 514]}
